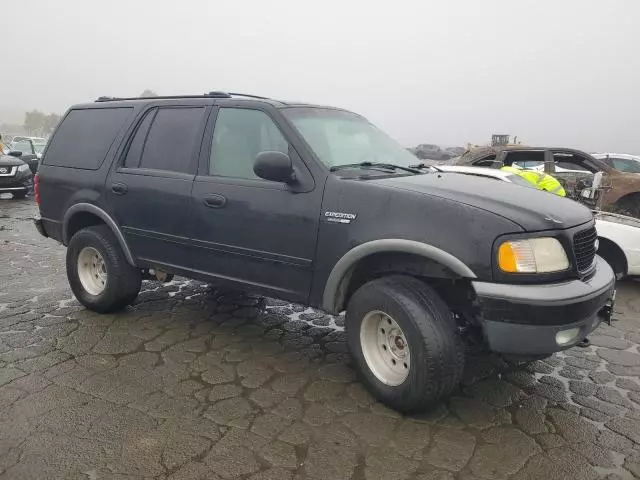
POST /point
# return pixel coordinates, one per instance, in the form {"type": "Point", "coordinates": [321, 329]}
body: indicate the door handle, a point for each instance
{"type": "Point", "coordinates": [119, 188]}
{"type": "Point", "coordinates": [215, 201]}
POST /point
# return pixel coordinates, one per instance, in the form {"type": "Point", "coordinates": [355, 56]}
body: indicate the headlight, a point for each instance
{"type": "Point", "coordinates": [23, 168]}
{"type": "Point", "coordinates": [535, 255]}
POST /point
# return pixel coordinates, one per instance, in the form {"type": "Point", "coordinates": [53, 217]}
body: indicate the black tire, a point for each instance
{"type": "Point", "coordinates": [436, 350]}
{"type": "Point", "coordinates": [20, 196]}
{"type": "Point", "coordinates": [123, 280]}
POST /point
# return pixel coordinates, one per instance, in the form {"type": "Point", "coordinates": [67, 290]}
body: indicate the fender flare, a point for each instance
{"type": "Point", "coordinates": [104, 216]}
{"type": "Point", "coordinates": [343, 267]}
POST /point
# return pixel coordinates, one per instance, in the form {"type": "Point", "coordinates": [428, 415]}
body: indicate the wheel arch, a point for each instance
{"type": "Point", "coordinates": [622, 202]}
{"type": "Point", "coordinates": [611, 251]}
{"type": "Point", "coordinates": [81, 215]}
{"type": "Point", "coordinates": [432, 259]}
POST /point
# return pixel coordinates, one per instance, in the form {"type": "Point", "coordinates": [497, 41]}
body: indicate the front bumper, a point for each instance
{"type": "Point", "coordinates": [525, 319]}
{"type": "Point", "coordinates": [19, 183]}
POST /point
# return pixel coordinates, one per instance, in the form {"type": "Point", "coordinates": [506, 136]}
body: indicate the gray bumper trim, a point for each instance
{"type": "Point", "coordinates": [553, 294]}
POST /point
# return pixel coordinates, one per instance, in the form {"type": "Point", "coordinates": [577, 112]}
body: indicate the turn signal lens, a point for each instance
{"type": "Point", "coordinates": [535, 255]}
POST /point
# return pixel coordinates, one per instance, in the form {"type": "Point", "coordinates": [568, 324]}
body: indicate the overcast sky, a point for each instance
{"type": "Point", "coordinates": [564, 72]}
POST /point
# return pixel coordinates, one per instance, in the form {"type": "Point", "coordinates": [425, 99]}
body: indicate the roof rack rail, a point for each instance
{"type": "Point", "coordinates": [214, 94]}
{"type": "Point", "coordinates": [248, 96]}
{"type": "Point", "coordinates": [166, 97]}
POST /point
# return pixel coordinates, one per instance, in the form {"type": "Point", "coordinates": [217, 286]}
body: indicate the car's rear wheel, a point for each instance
{"type": "Point", "coordinates": [98, 272]}
{"type": "Point", "coordinates": [404, 342]}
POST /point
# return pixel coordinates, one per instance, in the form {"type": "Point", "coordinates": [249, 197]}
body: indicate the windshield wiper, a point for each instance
{"type": "Point", "coordinates": [424, 165]}
{"type": "Point", "coordinates": [388, 166]}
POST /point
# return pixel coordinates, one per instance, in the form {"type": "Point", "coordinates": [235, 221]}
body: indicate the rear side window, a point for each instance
{"type": "Point", "coordinates": [171, 141]}
{"type": "Point", "coordinates": [83, 138]}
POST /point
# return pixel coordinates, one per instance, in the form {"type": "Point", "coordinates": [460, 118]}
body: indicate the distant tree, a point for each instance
{"type": "Point", "coordinates": [34, 122]}
{"type": "Point", "coordinates": [50, 122]}
{"type": "Point", "coordinates": [148, 93]}
{"type": "Point", "coordinates": [11, 128]}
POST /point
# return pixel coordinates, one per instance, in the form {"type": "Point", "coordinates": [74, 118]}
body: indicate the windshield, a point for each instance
{"type": "Point", "coordinates": [39, 147]}
{"type": "Point", "coordinates": [342, 138]}
{"type": "Point", "coordinates": [626, 165]}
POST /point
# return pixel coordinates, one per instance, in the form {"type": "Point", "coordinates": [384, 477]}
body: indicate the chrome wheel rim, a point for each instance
{"type": "Point", "coordinates": [385, 348]}
{"type": "Point", "coordinates": [92, 271]}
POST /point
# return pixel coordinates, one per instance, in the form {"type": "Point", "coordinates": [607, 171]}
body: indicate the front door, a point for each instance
{"type": "Point", "coordinates": [249, 230]}
{"type": "Point", "coordinates": [149, 189]}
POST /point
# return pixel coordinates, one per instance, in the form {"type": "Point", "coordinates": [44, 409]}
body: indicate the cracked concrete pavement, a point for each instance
{"type": "Point", "coordinates": [197, 383]}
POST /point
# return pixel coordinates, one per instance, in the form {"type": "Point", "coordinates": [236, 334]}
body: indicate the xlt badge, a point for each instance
{"type": "Point", "coordinates": [339, 217]}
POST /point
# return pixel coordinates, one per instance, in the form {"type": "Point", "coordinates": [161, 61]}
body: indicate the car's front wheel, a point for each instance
{"type": "Point", "coordinates": [98, 272]}
{"type": "Point", "coordinates": [404, 342]}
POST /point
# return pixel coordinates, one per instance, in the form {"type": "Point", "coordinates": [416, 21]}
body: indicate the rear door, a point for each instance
{"type": "Point", "coordinates": [149, 188]}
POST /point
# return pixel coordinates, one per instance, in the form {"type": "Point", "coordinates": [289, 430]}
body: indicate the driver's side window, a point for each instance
{"type": "Point", "coordinates": [239, 135]}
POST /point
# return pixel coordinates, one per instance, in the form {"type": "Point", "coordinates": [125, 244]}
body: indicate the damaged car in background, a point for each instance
{"type": "Point", "coordinates": [618, 191]}
{"type": "Point", "coordinates": [15, 175]}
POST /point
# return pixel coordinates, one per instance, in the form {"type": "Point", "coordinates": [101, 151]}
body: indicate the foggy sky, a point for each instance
{"type": "Point", "coordinates": [564, 72]}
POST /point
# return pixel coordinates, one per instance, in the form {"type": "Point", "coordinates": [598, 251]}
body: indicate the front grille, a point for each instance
{"type": "Point", "coordinates": [9, 182]}
{"type": "Point", "coordinates": [584, 248]}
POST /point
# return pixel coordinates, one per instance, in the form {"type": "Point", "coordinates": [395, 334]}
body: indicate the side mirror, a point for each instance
{"type": "Point", "coordinates": [15, 153]}
{"type": "Point", "coordinates": [274, 166]}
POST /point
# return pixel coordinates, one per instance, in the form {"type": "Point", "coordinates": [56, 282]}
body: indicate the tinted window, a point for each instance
{"type": "Point", "coordinates": [172, 139]}
{"type": "Point", "coordinates": [134, 154]}
{"type": "Point", "coordinates": [83, 138]}
{"type": "Point", "coordinates": [238, 137]}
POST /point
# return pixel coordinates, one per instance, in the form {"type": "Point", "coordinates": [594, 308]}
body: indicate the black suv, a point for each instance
{"type": "Point", "coordinates": [316, 205]}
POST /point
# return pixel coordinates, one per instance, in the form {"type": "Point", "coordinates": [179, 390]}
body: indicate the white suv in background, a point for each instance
{"type": "Point", "coordinates": [620, 161]}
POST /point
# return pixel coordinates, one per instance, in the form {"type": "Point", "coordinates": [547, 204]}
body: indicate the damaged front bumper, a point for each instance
{"type": "Point", "coordinates": [543, 319]}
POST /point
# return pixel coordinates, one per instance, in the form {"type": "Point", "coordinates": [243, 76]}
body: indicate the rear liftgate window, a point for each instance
{"type": "Point", "coordinates": [83, 138]}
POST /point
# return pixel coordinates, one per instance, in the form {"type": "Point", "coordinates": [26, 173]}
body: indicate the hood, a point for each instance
{"type": "Point", "coordinates": [532, 209]}
{"type": "Point", "coordinates": [9, 161]}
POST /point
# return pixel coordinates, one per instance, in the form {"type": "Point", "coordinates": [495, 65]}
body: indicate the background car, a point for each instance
{"type": "Point", "coordinates": [618, 235]}
{"type": "Point", "coordinates": [31, 148]}
{"type": "Point", "coordinates": [620, 161]}
{"type": "Point", "coordinates": [15, 176]}
{"type": "Point", "coordinates": [573, 168]}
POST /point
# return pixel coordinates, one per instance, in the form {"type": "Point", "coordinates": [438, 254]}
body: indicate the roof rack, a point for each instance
{"type": "Point", "coordinates": [164, 97]}
{"type": "Point", "coordinates": [233, 94]}
{"type": "Point", "coordinates": [214, 94]}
